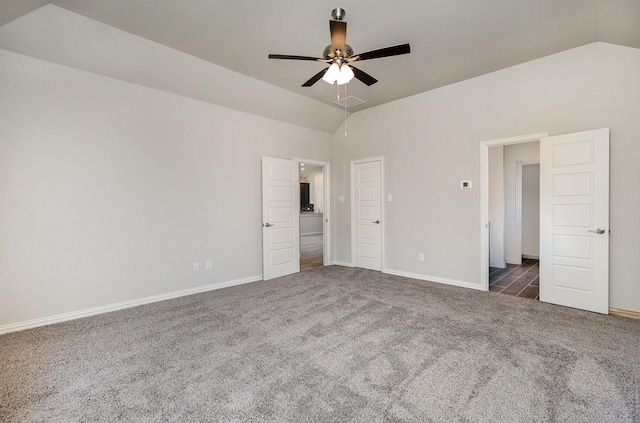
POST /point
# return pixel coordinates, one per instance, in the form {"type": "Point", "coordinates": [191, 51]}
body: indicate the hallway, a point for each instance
{"type": "Point", "coordinates": [519, 281]}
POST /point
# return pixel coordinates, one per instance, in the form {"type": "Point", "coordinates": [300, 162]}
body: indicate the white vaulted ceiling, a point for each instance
{"type": "Point", "coordinates": [450, 41]}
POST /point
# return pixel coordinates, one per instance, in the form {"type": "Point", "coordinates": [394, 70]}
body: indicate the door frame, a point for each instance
{"type": "Point", "coordinates": [326, 216]}
{"type": "Point", "coordinates": [519, 165]}
{"type": "Point", "coordinates": [484, 196]}
{"type": "Point", "coordinates": [353, 208]}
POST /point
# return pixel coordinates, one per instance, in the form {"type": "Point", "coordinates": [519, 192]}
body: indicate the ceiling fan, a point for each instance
{"type": "Point", "coordinates": [340, 56]}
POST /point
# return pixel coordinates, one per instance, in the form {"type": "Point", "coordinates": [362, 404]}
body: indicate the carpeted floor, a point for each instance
{"type": "Point", "coordinates": [328, 344]}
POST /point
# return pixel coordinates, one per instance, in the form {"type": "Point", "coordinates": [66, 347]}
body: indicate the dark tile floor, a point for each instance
{"type": "Point", "coordinates": [519, 281]}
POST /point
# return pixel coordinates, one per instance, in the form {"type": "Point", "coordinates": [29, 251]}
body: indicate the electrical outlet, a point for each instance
{"type": "Point", "coordinates": [208, 265]}
{"type": "Point", "coordinates": [420, 256]}
{"type": "Point", "coordinates": [196, 267]}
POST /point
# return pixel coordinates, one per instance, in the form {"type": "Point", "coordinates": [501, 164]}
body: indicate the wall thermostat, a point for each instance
{"type": "Point", "coordinates": [465, 184]}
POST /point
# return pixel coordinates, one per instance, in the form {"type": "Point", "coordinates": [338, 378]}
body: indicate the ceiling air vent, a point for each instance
{"type": "Point", "coordinates": [349, 101]}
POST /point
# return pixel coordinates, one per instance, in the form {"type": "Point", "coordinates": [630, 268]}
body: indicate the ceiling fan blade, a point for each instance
{"type": "Point", "coordinates": [315, 78]}
{"type": "Point", "coordinates": [363, 76]}
{"type": "Point", "coordinates": [385, 52]}
{"type": "Point", "coordinates": [338, 34]}
{"type": "Point", "coordinates": [289, 57]}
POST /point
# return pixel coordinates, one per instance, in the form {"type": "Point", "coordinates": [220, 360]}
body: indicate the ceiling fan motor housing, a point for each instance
{"type": "Point", "coordinates": [329, 54]}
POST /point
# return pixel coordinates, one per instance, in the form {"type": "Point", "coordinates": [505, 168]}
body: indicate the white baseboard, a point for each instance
{"type": "Point", "coordinates": [342, 263]}
{"type": "Point", "coordinates": [445, 281]}
{"type": "Point", "coordinates": [500, 265]}
{"type": "Point", "coordinates": [311, 233]}
{"type": "Point", "coordinates": [43, 321]}
{"type": "Point", "coordinates": [529, 256]}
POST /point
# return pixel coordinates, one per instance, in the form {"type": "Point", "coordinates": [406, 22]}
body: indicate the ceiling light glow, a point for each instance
{"type": "Point", "coordinates": [332, 74]}
{"type": "Point", "coordinates": [338, 74]}
{"type": "Point", "coordinates": [346, 74]}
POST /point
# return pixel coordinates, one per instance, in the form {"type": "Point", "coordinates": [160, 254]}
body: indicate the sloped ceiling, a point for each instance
{"type": "Point", "coordinates": [450, 40]}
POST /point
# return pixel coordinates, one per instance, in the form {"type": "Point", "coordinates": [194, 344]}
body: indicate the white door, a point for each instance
{"type": "Point", "coordinates": [280, 218]}
{"type": "Point", "coordinates": [574, 220]}
{"type": "Point", "coordinates": [367, 215]}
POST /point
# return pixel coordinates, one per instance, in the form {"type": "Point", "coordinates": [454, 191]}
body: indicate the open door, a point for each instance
{"type": "Point", "coordinates": [280, 218]}
{"type": "Point", "coordinates": [574, 220]}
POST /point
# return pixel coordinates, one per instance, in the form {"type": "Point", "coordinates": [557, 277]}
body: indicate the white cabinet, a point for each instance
{"type": "Point", "coordinates": [310, 223]}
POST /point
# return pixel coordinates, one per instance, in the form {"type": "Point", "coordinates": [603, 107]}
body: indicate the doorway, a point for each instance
{"type": "Point", "coordinates": [314, 213]}
{"type": "Point", "coordinates": [281, 215]}
{"type": "Point", "coordinates": [514, 224]}
{"type": "Point", "coordinates": [573, 220]}
{"type": "Point", "coordinates": [499, 242]}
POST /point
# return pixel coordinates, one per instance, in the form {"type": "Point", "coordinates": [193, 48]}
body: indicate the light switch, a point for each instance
{"type": "Point", "coordinates": [389, 197]}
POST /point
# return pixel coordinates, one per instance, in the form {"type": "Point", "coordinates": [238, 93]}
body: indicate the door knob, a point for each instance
{"type": "Point", "coordinates": [597, 231]}
{"type": "Point", "coordinates": [376, 221]}
{"type": "Point", "coordinates": [267, 225]}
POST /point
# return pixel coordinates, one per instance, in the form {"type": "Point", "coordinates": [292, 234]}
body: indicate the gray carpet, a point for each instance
{"type": "Point", "coordinates": [329, 344]}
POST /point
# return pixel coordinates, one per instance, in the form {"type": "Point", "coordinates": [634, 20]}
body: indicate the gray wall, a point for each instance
{"type": "Point", "coordinates": [431, 142]}
{"type": "Point", "coordinates": [496, 207]}
{"type": "Point", "coordinates": [526, 152]}
{"type": "Point", "coordinates": [110, 190]}
{"type": "Point", "coordinates": [531, 210]}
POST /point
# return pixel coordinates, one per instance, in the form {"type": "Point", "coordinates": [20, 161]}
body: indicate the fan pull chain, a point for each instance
{"type": "Point", "coordinates": [345, 109]}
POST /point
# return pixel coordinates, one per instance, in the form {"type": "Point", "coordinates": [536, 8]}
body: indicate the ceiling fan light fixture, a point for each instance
{"type": "Point", "coordinates": [339, 54]}
{"type": "Point", "coordinates": [332, 74]}
{"type": "Point", "coordinates": [346, 74]}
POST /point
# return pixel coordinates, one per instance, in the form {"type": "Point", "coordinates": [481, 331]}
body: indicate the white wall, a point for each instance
{"type": "Point", "coordinates": [58, 35]}
{"type": "Point", "coordinates": [431, 142]}
{"type": "Point", "coordinates": [110, 191]}
{"type": "Point", "coordinates": [531, 210]}
{"type": "Point", "coordinates": [527, 152]}
{"type": "Point", "coordinates": [496, 207]}
{"type": "Point", "coordinates": [318, 191]}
